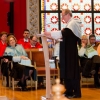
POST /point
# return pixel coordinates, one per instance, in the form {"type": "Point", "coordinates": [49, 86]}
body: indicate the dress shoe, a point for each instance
{"type": "Point", "coordinates": [87, 76]}
{"type": "Point", "coordinates": [24, 89]}
{"type": "Point", "coordinates": [73, 96]}
{"type": "Point", "coordinates": [69, 96]}
{"type": "Point", "coordinates": [41, 86]}
{"type": "Point", "coordinates": [19, 84]}
{"type": "Point", "coordinates": [7, 85]}
{"type": "Point", "coordinates": [97, 86]}
{"type": "Point", "coordinates": [92, 72]}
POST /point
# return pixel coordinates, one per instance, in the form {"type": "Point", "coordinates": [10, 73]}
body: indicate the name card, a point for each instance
{"type": "Point", "coordinates": [52, 63]}
{"type": "Point", "coordinates": [40, 49]}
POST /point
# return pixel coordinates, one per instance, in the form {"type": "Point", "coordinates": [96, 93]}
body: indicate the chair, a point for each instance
{"type": "Point", "coordinates": [85, 81]}
{"type": "Point", "coordinates": [1, 75]}
{"type": "Point", "coordinates": [13, 81]}
{"type": "Point", "coordinates": [39, 63]}
{"type": "Point", "coordinates": [28, 51]}
{"type": "Point", "coordinates": [4, 80]}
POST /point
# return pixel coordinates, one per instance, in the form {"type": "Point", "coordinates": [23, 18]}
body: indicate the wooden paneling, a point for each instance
{"type": "Point", "coordinates": [38, 57]}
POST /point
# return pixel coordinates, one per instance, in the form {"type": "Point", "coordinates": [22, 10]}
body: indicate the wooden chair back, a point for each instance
{"type": "Point", "coordinates": [38, 57]}
{"type": "Point", "coordinates": [39, 62]}
{"type": "Point", "coordinates": [28, 51]}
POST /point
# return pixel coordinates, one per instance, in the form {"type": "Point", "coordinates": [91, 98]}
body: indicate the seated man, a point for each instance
{"type": "Point", "coordinates": [92, 41]}
{"type": "Point", "coordinates": [25, 40]}
{"type": "Point", "coordinates": [96, 46]}
{"type": "Point", "coordinates": [34, 43]}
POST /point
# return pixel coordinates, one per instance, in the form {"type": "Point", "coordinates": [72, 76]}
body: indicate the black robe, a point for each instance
{"type": "Point", "coordinates": [69, 63]}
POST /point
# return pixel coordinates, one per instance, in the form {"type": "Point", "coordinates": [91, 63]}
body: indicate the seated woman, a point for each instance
{"type": "Point", "coordinates": [34, 43]}
{"type": "Point", "coordinates": [16, 53]}
{"type": "Point", "coordinates": [3, 38]}
{"type": "Point", "coordinates": [86, 53]}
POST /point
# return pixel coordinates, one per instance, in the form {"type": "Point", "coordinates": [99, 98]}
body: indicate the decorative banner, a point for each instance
{"type": "Point", "coordinates": [97, 7]}
{"type": "Point", "coordinates": [53, 6]}
{"type": "Point", "coordinates": [97, 31]}
{"type": "Point", "coordinates": [54, 19]}
{"type": "Point", "coordinates": [76, 7]}
{"type": "Point", "coordinates": [87, 19]}
{"type": "Point", "coordinates": [88, 31]}
{"type": "Point", "coordinates": [64, 6]}
{"type": "Point", "coordinates": [87, 7]}
{"type": "Point", "coordinates": [97, 19]}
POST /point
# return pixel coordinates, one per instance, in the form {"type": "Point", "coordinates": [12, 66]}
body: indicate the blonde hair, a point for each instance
{"type": "Point", "coordinates": [11, 36]}
{"type": "Point", "coordinates": [67, 11]}
{"type": "Point", "coordinates": [84, 37]}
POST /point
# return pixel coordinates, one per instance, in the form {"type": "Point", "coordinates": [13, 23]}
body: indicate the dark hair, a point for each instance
{"type": "Point", "coordinates": [26, 30]}
{"type": "Point", "coordinates": [92, 35]}
{"type": "Point", "coordinates": [2, 33]}
{"type": "Point", "coordinates": [31, 37]}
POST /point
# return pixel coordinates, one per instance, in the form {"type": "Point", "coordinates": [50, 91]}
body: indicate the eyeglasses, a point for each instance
{"type": "Point", "coordinates": [34, 40]}
{"type": "Point", "coordinates": [93, 39]}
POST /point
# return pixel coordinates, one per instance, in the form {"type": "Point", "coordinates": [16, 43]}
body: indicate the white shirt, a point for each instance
{"type": "Point", "coordinates": [26, 40]}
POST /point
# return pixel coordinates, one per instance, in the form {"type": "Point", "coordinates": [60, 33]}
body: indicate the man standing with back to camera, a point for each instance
{"type": "Point", "coordinates": [69, 62]}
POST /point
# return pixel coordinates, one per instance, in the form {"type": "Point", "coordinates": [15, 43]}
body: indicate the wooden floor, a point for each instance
{"type": "Point", "coordinates": [87, 94]}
